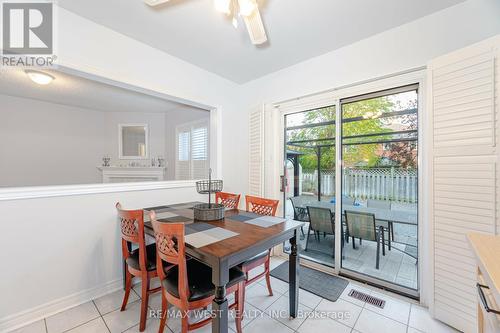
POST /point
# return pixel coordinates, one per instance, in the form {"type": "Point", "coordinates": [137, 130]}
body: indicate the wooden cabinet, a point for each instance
{"type": "Point", "coordinates": [487, 251]}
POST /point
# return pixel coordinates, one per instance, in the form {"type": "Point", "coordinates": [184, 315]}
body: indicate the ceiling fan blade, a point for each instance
{"type": "Point", "coordinates": [153, 3]}
{"type": "Point", "coordinates": [256, 28]}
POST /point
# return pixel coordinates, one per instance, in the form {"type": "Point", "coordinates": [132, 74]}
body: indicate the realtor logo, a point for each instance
{"type": "Point", "coordinates": [27, 34]}
{"type": "Point", "coordinates": [27, 28]}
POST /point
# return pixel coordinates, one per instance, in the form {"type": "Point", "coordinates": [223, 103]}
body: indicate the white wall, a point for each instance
{"type": "Point", "coordinates": [64, 250]}
{"type": "Point", "coordinates": [408, 46]}
{"type": "Point", "coordinates": [54, 144]}
{"type": "Point", "coordinates": [97, 50]}
{"type": "Point", "coordinates": [70, 244]}
{"type": "Point", "coordinates": [76, 239]}
{"type": "Point", "coordinates": [48, 144]}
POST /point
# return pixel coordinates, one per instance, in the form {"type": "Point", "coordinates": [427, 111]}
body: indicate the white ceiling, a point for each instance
{"type": "Point", "coordinates": [81, 92]}
{"type": "Point", "coordinates": [297, 29]}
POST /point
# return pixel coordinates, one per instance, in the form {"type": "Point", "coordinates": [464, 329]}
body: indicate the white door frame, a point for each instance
{"type": "Point", "coordinates": [425, 261]}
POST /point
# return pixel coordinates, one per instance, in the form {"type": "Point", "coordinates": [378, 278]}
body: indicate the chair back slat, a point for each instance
{"type": "Point", "coordinates": [229, 200]}
{"type": "Point", "coordinates": [361, 225]}
{"type": "Point", "coordinates": [261, 206]}
{"type": "Point", "coordinates": [321, 219]}
{"type": "Point", "coordinates": [171, 248]}
{"type": "Point", "coordinates": [131, 222]}
{"type": "Point", "coordinates": [132, 231]}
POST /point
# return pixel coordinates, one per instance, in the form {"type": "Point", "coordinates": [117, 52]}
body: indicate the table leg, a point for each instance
{"type": "Point", "coordinates": [220, 277]}
{"type": "Point", "coordinates": [294, 277]}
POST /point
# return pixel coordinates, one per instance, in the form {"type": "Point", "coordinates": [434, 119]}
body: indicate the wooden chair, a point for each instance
{"type": "Point", "coordinates": [362, 225]}
{"type": "Point", "coordinates": [140, 262]}
{"type": "Point", "coordinates": [263, 207]}
{"type": "Point", "coordinates": [229, 200]}
{"type": "Point", "coordinates": [187, 285]}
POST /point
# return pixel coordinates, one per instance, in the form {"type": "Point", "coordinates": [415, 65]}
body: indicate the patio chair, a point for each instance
{"type": "Point", "coordinates": [362, 225]}
{"type": "Point", "coordinates": [321, 221]}
{"type": "Point", "coordinates": [300, 210]}
{"type": "Point", "coordinates": [388, 225]}
{"type": "Point", "coordinates": [350, 202]}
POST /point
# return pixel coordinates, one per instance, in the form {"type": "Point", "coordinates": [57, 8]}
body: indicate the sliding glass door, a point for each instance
{"type": "Point", "coordinates": [310, 180]}
{"type": "Point", "coordinates": [376, 225]}
{"type": "Point", "coordinates": [380, 186]}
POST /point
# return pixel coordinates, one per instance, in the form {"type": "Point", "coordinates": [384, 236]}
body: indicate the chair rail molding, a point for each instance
{"type": "Point", "coordinates": [18, 193]}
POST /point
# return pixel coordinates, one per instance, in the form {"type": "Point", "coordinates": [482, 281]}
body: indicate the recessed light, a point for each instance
{"type": "Point", "coordinates": [39, 77]}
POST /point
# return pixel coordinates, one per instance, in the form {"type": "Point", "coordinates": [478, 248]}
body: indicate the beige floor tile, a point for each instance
{"type": "Point", "coordinates": [94, 326]}
{"type": "Point", "coordinates": [113, 301]}
{"type": "Point", "coordinates": [119, 321]}
{"type": "Point", "coordinates": [317, 325]}
{"type": "Point", "coordinates": [152, 325]}
{"type": "Point", "coordinates": [258, 296]}
{"type": "Point", "coordinates": [342, 311]}
{"type": "Point", "coordinates": [267, 324]}
{"type": "Point", "coordinates": [421, 319]}
{"type": "Point", "coordinates": [371, 322]}
{"type": "Point", "coordinates": [277, 285]}
{"type": "Point", "coordinates": [279, 310]}
{"type": "Point", "coordinates": [71, 318]}
{"type": "Point", "coordinates": [394, 308]}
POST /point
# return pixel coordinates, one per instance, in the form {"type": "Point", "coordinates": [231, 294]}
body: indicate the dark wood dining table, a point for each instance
{"type": "Point", "coordinates": [250, 240]}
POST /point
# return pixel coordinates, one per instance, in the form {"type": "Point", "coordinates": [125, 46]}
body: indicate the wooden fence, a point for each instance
{"type": "Point", "coordinates": [394, 184]}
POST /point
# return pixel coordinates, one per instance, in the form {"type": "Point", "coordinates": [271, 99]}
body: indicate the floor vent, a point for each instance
{"type": "Point", "coordinates": [367, 298]}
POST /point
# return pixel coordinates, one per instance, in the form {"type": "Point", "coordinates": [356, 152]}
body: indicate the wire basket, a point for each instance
{"type": "Point", "coordinates": [208, 212]}
{"type": "Point", "coordinates": [209, 186]}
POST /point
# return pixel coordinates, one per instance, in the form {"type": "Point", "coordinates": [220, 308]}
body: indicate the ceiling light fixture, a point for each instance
{"type": "Point", "coordinates": [153, 3]}
{"type": "Point", "coordinates": [39, 77]}
{"type": "Point", "coordinates": [247, 9]}
{"type": "Point", "coordinates": [223, 6]}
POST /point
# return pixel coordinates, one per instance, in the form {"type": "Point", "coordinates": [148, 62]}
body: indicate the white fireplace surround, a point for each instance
{"type": "Point", "coordinates": [117, 174]}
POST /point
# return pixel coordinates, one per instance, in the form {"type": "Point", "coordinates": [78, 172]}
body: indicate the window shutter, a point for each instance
{"type": "Point", "coordinates": [192, 156]}
{"type": "Point", "coordinates": [199, 152]}
{"type": "Point", "coordinates": [464, 185]}
{"type": "Point", "coordinates": [256, 148]}
{"type": "Point", "coordinates": [182, 162]}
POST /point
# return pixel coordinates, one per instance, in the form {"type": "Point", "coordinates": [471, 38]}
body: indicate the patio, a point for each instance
{"type": "Point", "coordinates": [398, 266]}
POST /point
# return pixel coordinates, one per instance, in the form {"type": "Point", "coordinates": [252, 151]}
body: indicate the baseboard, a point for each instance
{"type": "Point", "coordinates": [36, 313]}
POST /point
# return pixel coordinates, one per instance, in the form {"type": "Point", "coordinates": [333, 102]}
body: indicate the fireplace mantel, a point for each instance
{"type": "Point", "coordinates": [116, 174]}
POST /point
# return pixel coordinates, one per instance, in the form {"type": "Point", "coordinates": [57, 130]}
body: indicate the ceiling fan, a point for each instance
{"type": "Point", "coordinates": [247, 9]}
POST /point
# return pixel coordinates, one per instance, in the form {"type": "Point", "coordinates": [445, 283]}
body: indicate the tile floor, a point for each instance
{"type": "Point", "coordinates": [264, 314]}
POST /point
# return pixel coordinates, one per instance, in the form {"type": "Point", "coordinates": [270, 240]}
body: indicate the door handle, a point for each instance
{"type": "Point", "coordinates": [283, 183]}
{"type": "Point", "coordinates": [483, 299]}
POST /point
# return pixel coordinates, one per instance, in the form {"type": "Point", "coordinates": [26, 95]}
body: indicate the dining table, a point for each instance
{"type": "Point", "coordinates": [228, 242]}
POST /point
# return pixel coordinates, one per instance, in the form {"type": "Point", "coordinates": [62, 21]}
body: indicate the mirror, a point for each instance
{"type": "Point", "coordinates": [133, 141]}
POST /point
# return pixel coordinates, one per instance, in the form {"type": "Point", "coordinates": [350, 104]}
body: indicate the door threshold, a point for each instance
{"type": "Point", "coordinates": [415, 299]}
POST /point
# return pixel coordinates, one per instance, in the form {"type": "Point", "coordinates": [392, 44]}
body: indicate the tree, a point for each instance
{"type": "Point", "coordinates": [353, 154]}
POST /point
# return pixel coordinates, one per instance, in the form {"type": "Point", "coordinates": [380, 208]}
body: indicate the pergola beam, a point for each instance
{"type": "Point", "coordinates": [349, 120]}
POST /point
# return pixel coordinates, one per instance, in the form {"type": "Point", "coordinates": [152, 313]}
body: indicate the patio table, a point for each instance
{"type": "Point", "coordinates": [389, 215]}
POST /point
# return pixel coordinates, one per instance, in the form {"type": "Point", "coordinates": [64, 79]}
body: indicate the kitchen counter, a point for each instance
{"type": "Point", "coordinates": [486, 248]}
